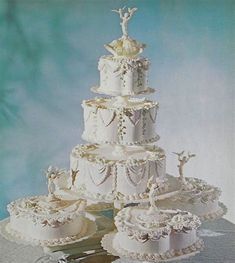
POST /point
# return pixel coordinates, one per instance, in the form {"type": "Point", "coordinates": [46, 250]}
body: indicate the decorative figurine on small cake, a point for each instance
{"type": "Point", "coordinates": [195, 195]}
{"type": "Point", "coordinates": [183, 159]}
{"type": "Point", "coordinates": [57, 179]}
{"type": "Point", "coordinates": [153, 187]}
{"type": "Point", "coordinates": [125, 46]}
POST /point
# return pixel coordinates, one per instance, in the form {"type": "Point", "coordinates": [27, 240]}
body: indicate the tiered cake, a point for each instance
{"type": "Point", "coordinates": [121, 163]}
{"type": "Point", "coordinates": [121, 156]}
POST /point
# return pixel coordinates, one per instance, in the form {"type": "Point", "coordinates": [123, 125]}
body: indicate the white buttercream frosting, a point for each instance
{"type": "Point", "coordinates": [102, 171]}
{"type": "Point", "coordinates": [140, 225]}
{"type": "Point", "coordinates": [41, 218]}
{"type": "Point", "coordinates": [121, 76]}
{"type": "Point", "coordinates": [161, 235]}
{"type": "Point", "coordinates": [197, 197]}
{"type": "Point", "coordinates": [127, 121]}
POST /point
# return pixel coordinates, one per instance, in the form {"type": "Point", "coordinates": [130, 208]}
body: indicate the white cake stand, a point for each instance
{"type": "Point", "coordinates": [108, 242]}
{"type": "Point", "coordinates": [96, 89]}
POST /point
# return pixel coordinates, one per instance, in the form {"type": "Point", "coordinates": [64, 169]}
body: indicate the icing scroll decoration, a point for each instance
{"type": "Point", "coordinates": [134, 117]}
{"type": "Point", "coordinates": [158, 164]}
{"type": "Point", "coordinates": [154, 116]}
{"type": "Point", "coordinates": [139, 173]}
{"type": "Point", "coordinates": [87, 115]}
{"type": "Point", "coordinates": [102, 176]}
{"type": "Point", "coordinates": [107, 120]}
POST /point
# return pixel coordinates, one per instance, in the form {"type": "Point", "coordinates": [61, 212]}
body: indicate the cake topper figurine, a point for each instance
{"type": "Point", "coordinates": [52, 173]}
{"type": "Point", "coordinates": [183, 159]}
{"type": "Point", "coordinates": [125, 46]}
{"type": "Point", "coordinates": [125, 17]}
{"type": "Point", "coordinates": [153, 187]}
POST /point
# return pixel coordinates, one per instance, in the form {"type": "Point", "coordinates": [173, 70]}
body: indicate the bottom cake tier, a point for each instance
{"type": "Point", "coordinates": [117, 171]}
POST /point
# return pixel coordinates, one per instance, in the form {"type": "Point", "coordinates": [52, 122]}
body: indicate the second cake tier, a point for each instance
{"type": "Point", "coordinates": [107, 170]}
{"type": "Point", "coordinates": [108, 120]}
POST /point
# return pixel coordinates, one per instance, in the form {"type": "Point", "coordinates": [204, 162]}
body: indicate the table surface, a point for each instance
{"type": "Point", "coordinates": [219, 237]}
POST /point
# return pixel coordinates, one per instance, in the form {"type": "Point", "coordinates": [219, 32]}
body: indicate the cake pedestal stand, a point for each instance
{"type": "Point", "coordinates": [96, 89]}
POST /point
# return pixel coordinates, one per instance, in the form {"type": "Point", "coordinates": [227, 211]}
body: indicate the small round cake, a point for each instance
{"type": "Point", "coordinates": [197, 197]}
{"type": "Point", "coordinates": [108, 171]}
{"type": "Point", "coordinates": [121, 76]}
{"type": "Point", "coordinates": [127, 122]}
{"type": "Point", "coordinates": [47, 220]}
{"type": "Point", "coordinates": [150, 234]}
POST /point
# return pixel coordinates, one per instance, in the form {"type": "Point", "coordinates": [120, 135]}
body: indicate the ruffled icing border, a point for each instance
{"type": "Point", "coordinates": [174, 219]}
{"type": "Point", "coordinates": [61, 219]}
{"type": "Point", "coordinates": [152, 257]}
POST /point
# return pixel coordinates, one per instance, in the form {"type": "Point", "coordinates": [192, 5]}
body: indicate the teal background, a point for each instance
{"type": "Point", "coordinates": [48, 61]}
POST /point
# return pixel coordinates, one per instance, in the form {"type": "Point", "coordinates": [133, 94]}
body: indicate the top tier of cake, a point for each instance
{"type": "Point", "coordinates": [124, 73]}
{"type": "Point", "coordinates": [123, 76]}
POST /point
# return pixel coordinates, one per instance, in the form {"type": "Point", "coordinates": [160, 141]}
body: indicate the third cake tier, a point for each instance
{"type": "Point", "coordinates": [120, 121]}
{"type": "Point", "coordinates": [109, 171]}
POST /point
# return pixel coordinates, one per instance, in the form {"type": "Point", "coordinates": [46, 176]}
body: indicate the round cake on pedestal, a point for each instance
{"type": "Point", "coordinates": [154, 235]}
{"type": "Point", "coordinates": [197, 197]}
{"type": "Point", "coordinates": [47, 220]}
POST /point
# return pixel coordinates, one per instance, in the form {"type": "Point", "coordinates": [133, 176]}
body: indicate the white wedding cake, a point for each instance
{"type": "Point", "coordinates": [150, 234]}
{"type": "Point", "coordinates": [197, 197]}
{"type": "Point", "coordinates": [159, 235]}
{"type": "Point", "coordinates": [43, 221]}
{"type": "Point", "coordinates": [121, 157]}
{"type": "Point", "coordinates": [120, 164]}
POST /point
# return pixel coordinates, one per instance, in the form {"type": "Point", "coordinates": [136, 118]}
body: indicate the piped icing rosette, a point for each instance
{"type": "Point", "coordinates": [156, 235]}
{"type": "Point", "coordinates": [43, 220]}
{"type": "Point", "coordinates": [198, 197]}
